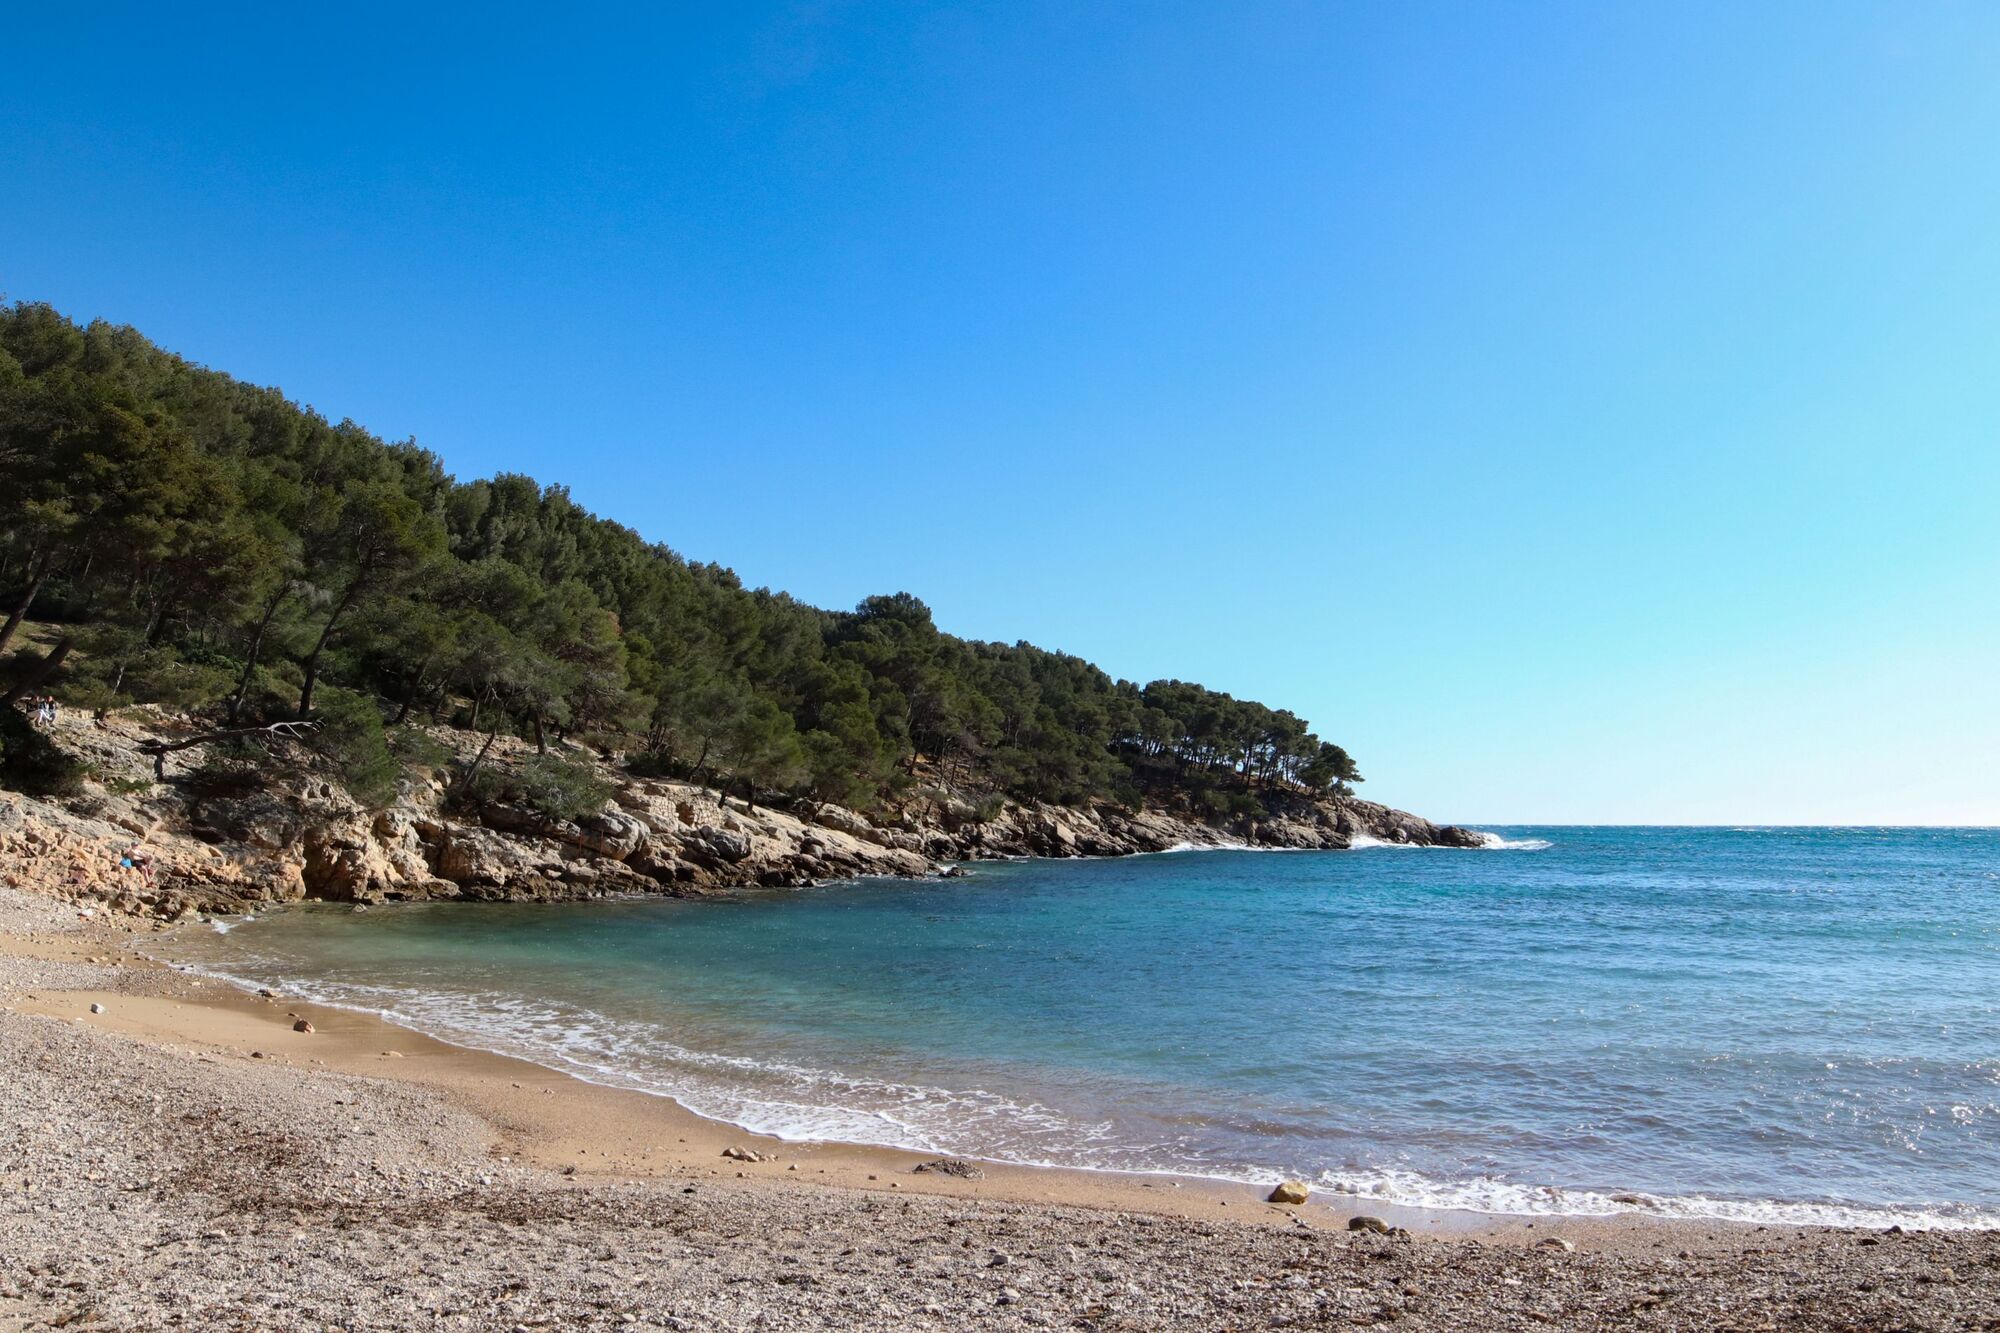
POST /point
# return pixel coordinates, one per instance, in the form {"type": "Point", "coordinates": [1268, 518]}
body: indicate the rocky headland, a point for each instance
{"type": "Point", "coordinates": [275, 830]}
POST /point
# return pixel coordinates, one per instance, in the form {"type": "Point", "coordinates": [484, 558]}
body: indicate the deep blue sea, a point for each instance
{"type": "Point", "coordinates": [1779, 1024]}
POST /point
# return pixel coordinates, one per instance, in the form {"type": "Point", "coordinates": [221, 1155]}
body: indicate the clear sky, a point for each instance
{"type": "Point", "coordinates": [1582, 412]}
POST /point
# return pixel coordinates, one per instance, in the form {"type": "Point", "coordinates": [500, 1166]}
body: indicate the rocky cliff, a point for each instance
{"type": "Point", "coordinates": [279, 832]}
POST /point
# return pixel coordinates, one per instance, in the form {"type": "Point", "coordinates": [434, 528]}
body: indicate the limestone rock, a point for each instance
{"type": "Point", "coordinates": [846, 821]}
{"type": "Point", "coordinates": [717, 844]}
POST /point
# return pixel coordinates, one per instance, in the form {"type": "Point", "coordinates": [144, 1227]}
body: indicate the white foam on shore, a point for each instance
{"type": "Point", "coordinates": [801, 1104]}
{"type": "Point", "coordinates": [1486, 1194]}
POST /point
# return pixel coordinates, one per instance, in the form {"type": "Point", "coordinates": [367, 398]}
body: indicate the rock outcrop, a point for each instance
{"type": "Point", "coordinates": [221, 840]}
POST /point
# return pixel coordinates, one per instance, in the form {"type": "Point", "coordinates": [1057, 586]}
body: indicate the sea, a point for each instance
{"type": "Point", "coordinates": [1780, 1025]}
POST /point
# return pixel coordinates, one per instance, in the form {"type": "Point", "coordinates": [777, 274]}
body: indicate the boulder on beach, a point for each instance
{"type": "Point", "coordinates": [1364, 1222]}
{"type": "Point", "coordinates": [952, 1166]}
{"type": "Point", "coordinates": [302, 1026]}
{"type": "Point", "coordinates": [1289, 1191]}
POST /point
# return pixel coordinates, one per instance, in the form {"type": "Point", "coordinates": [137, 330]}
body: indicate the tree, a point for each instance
{"type": "Point", "coordinates": [211, 545]}
{"type": "Point", "coordinates": [382, 535]}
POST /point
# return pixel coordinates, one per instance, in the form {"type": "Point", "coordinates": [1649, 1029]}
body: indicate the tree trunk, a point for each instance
{"type": "Point", "coordinates": [20, 611]}
{"type": "Point", "coordinates": [40, 672]}
{"type": "Point", "coordinates": [410, 695]}
{"type": "Point", "coordinates": [541, 746]}
{"type": "Point", "coordinates": [312, 658]}
{"type": "Point", "coordinates": [465, 783]}
{"type": "Point", "coordinates": [256, 646]}
{"type": "Point", "coordinates": [157, 624]}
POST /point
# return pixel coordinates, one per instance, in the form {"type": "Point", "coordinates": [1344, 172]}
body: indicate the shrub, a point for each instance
{"type": "Point", "coordinates": [30, 762]}
{"type": "Point", "coordinates": [350, 736]}
{"type": "Point", "coordinates": [545, 783]}
{"type": "Point", "coordinates": [417, 749]}
{"type": "Point", "coordinates": [654, 764]}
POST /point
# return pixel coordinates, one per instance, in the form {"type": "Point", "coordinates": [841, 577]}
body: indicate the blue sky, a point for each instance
{"type": "Point", "coordinates": [1582, 412]}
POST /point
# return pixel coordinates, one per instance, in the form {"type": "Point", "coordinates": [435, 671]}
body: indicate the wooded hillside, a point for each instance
{"type": "Point", "coordinates": [206, 544]}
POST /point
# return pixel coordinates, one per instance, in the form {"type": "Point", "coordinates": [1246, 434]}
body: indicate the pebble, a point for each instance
{"type": "Point", "coordinates": [116, 1156]}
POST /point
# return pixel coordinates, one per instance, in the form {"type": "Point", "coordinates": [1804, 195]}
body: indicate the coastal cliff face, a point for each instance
{"type": "Point", "coordinates": [280, 833]}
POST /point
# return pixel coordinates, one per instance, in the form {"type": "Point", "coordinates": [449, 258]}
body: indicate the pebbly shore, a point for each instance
{"type": "Point", "coordinates": [184, 1159]}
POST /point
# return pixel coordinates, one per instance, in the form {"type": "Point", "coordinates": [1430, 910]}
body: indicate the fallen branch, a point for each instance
{"type": "Point", "coordinates": [161, 749]}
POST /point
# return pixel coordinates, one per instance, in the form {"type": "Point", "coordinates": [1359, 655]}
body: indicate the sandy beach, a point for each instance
{"type": "Point", "coordinates": [184, 1158]}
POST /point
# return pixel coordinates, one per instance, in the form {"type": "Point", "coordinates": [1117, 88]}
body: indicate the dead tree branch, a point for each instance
{"type": "Point", "coordinates": [161, 749]}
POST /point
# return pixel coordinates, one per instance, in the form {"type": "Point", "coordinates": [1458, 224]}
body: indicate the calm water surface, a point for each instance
{"type": "Point", "coordinates": [1783, 1024]}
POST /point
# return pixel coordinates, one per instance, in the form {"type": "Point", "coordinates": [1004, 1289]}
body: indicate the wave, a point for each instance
{"type": "Point", "coordinates": [798, 1103]}
{"type": "Point", "coordinates": [1486, 1194]}
{"type": "Point", "coordinates": [785, 1100]}
{"type": "Point", "coordinates": [1489, 842]}
{"type": "Point", "coordinates": [1493, 842]}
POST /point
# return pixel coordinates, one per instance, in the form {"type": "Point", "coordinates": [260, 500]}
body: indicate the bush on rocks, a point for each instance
{"type": "Point", "coordinates": [30, 762]}
{"type": "Point", "coordinates": [350, 735]}
{"type": "Point", "coordinates": [545, 783]}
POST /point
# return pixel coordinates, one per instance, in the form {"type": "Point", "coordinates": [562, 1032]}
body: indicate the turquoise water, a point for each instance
{"type": "Point", "coordinates": [1781, 1024]}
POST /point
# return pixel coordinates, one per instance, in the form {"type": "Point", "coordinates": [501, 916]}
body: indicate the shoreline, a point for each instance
{"type": "Point", "coordinates": [226, 1012]}
{"type": "Point", "coordinates": [224, 1017]}
{"type": "Point", "coordinates": [1095, 1186]}
{"type": "Point", "coordinates": [185, 1158]}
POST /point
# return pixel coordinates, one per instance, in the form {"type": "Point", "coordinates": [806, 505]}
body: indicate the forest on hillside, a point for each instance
{"type": "Point", "coordinates": [178, 537]}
